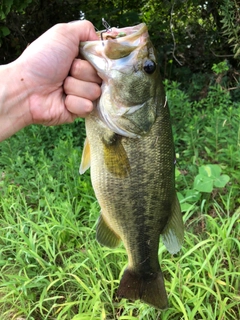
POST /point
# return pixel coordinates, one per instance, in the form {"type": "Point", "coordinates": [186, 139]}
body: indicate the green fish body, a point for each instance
{"type": "Point", "coordinates": [130, 149]}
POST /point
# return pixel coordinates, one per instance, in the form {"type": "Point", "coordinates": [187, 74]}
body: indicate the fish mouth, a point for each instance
{"type": "Point", "coordinates": [114, 43]}
{"type": "Point", "coordinates": [122, 34]}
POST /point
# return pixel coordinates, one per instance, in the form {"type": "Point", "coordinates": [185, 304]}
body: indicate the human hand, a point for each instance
{"type": "Point", "coordinates": [60, 87]}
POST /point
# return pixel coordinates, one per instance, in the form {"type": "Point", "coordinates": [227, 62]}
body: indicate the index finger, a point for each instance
{"type": "Point", "coordinates": [82, 30]}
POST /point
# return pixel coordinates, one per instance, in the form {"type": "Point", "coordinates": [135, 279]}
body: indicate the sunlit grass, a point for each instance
{"type": "Point", "coordinates": [52, 268]}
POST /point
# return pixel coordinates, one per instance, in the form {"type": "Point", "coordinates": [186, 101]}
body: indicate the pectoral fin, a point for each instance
{"type": "Point", "coordinates": [105, 235]}
{"type": "Point", "coordinates": [115, 156]}
{"type": "Point", "coordinates": [173, 234]}
{"type": "Point", "coordinates": [86, 157]}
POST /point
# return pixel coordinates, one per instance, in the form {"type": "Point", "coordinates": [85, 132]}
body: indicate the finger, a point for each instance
{"type": "Point", "coordinates": [78, 106]}
{"type": "Point", "coordinates": [80, 88]}
{"type": "Point", "coordinates": [83, 70]}
{"type": "Point", "coordinates": [82, 30]}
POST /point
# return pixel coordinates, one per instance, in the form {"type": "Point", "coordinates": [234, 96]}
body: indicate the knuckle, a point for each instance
{"type": "Point", "coordinates": [67, 83]}
{"type": "Point", "coordinates": [96, 91]}
{"type": "Point", "coordinates": [88, 24]}
{"type": "Point", "coordinates": [76, 68]}
{"type": "Point", "coordinates": [88, 107]}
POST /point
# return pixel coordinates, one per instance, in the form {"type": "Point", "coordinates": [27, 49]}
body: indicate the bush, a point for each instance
{"type": "Point", "coordinates": [190, 36]}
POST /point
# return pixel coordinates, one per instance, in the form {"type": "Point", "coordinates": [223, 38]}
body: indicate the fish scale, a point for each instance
{"type": "Point", "coordinates": [133, 178]}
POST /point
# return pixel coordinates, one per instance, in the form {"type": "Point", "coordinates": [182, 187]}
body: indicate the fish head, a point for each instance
{"type": "Point", "coordinates": [131, 90]}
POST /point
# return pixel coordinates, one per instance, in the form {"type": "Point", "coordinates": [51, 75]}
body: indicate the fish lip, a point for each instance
{"type": "Point", "coordinates": [132, 33]}
{"type": "Point", "coordinates": [89, 50]}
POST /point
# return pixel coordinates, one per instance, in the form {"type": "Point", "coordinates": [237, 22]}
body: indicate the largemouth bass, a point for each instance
{"type": "Point", "coordinates": [129, 147]}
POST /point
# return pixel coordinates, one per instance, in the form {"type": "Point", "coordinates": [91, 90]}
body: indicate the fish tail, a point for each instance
{"type": "Point", "coordinates": [149, 289]}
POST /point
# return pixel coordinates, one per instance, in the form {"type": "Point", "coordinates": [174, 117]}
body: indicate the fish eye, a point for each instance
{"type": "Point", "coordinates": [149, 66]}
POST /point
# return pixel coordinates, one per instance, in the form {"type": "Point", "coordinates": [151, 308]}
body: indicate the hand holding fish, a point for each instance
{"type": "Point", "coordinates": [47, 84]}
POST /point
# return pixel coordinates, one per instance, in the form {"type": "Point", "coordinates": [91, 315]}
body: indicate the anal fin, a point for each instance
{"type": "Point", "coordinates": [173, 234]}
{"type": "Point", "coordinates": [105, 235]}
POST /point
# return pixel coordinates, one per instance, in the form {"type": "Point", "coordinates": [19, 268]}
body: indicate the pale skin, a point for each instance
{"type": "Point", "coordinates": [48, 84]}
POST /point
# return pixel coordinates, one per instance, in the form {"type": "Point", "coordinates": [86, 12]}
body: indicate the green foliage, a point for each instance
{"type": "Point", "coordinates": [5, 8]}
{"type": "Point", "coordinates": [51, 266]}
{"type": "Point", "coordinates": [209, 177]}
{"type": "Point", "coordinates": [190, 36]}
{"type": "Point", "coordinates": [231, 24]}
{"type": "Point", "coordinates": [7, 5]}
{"type": "Point", "coordinates": [220, 67]}
{"type": "Point", "coordinates": [207, 140]}
{"type": "Point", "coordinates": [4, 31]}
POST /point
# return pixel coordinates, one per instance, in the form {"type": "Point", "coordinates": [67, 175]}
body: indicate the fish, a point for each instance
{"type": "Point", "coordinates": [129, 149]}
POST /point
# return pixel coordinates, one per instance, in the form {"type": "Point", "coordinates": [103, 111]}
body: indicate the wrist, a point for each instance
{"type": "Point", "coordinates": [14, 100]}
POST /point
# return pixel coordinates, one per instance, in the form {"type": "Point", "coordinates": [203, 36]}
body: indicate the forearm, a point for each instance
{"type": "Point", "coordinates": [14, 96]}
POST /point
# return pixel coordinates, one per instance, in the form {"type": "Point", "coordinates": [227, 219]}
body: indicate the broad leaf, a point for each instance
{"type": "Point", "coordinates": [221, 181]}
{"type": "Point", "coordinates": [203, 183]}
{"type": "Point", "coordinates": [210, 170]}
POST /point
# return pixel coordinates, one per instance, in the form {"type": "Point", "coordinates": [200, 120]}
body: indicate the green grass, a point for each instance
{"type": "Point", "coordinates": [51, 266]}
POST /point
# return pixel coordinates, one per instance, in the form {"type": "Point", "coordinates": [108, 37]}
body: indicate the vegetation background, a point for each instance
{"type": "Point", "coordinates": [51, 266]}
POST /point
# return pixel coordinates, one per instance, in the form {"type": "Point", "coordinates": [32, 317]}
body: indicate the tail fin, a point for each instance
{"type": "Point", "coordinates": [149, 289]}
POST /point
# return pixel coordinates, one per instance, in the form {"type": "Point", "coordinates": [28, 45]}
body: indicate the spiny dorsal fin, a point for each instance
{"type": "Point", "coordinates": [86, 157]}
{"type": "Point", "coordinates": [105, 235]}
{"type": "Point", "coordinates": [173, 234]}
